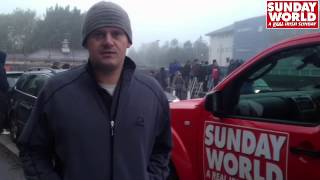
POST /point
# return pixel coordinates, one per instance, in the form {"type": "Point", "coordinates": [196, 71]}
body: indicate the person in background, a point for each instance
{"type": "Point", "coordinates": [215, 73]}
{"type": "Point", "coordinates": [185, 71]}
{"type": "Point", "coordinates": [4, 87]}
{"type": "Point", "coordinates": [102, 120]}
{"type": "Point", "coordinates": [179, 85]}
{"type": "Point", "coordinates": [162, 77]}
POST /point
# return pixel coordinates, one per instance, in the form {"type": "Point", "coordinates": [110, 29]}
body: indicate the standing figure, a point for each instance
{"type": "Point", "coordinates": [102, 120]}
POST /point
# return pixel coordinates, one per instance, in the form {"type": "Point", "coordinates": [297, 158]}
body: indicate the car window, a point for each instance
{"type": "Point", "coordinates": [12, 81]}
{"type": "Point", "coordinates": [13, 78]}
{"type": "Point", "coordinates": [285, 89]}
{"type": "Point", "coordinates": [35, 84]}
{"type": "Point", "coordinates": [21, 81]}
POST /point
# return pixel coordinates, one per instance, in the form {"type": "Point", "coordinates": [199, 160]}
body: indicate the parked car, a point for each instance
{"type": "Point", "coordinates": [261, 122]}
{"type": "Point", "coordinates": [23, 96]}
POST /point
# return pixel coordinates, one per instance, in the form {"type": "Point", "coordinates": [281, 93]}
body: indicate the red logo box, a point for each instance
{"type": "Point", "coordinates": [292, 14]}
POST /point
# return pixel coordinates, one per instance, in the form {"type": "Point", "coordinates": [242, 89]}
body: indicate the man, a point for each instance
{"type": "Point", "coordinates": [102, 121]}
{"type": "Point", "coordinates": [4, 86]}
{"type": "Point", "coordinates": [162, 78]}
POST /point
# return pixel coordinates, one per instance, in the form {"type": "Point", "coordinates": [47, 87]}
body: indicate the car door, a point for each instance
{"type": "Point", "coordinates": [24, 98]}
{"type": "Point", "coordinates": [265, 122]}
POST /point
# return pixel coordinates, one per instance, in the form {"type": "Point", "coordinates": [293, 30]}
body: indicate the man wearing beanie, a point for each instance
{"type": "Point", "coordinates": [103, 120]}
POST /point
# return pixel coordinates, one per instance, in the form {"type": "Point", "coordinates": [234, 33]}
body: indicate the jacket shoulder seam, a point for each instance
{"type": "Point", "coordinates": [62, 86]}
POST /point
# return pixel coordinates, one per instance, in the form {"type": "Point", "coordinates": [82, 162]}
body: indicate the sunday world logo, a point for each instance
{"type": "Point", "coordinates": [292, 14]}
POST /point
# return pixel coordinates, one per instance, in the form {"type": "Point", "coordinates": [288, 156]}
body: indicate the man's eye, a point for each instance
{"type": "Point", "coordinates": [117, 33]}
{"type": "Point", "coordinates": [98, 35]}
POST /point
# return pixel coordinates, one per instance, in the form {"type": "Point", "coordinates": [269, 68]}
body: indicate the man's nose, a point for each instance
{"type": "Point", "coordinates": [108, 39]}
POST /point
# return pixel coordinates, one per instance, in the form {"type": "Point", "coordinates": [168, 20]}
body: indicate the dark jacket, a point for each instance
{"type": "Point", "coordinates": [71, 123]}
{"type": "Point", "coordinates": [4, 85]}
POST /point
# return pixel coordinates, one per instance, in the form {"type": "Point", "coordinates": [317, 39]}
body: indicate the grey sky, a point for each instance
{"type": "Point", "coordinates": [163, 19]}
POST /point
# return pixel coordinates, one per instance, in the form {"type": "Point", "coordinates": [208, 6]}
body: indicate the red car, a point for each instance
{"type": "Point", "coordinates": [261, 122]}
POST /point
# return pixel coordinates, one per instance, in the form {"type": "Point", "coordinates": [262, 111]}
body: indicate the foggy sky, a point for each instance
{"type": "Point", "coordinates": [162, 19]}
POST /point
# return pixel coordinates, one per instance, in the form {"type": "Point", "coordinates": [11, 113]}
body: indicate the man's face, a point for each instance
{"type": "Point", "coordinates": [107, 48]}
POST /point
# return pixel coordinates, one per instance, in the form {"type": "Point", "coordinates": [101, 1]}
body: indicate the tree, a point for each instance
{"type": "Point", "coordinates": [16, 30]}
{"type": "Point", "coordinates": [201, 49]}
{"type": "Point", "coordinates": [59, 23]}
{"type": "Point", "coordinates": [187, 51]}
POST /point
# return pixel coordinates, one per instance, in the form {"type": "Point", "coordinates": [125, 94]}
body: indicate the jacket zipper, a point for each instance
{"type": "Point", "coordinates": [112, 144]}
{"type": "Point", "coordinates": [112, 128]}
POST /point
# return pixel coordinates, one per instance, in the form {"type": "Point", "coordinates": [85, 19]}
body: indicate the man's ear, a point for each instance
{"type": "Point", "coordinates": [129, 45]}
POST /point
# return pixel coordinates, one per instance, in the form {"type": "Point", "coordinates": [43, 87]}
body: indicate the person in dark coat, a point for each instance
{"type": "Point", "coordinates": [185, 71]}
{"type": "Point", "coordinates": [4, 86]}
{"type": "Point", "coordinates": [162, 77]}
{"type": "Point", "coordinates": [179, 85]}
{"type": "Point", "coordinates": [102, 120]}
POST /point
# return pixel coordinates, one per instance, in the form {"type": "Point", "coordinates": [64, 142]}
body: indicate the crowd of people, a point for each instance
{"type": "Point", "coordinates": [179, 79]}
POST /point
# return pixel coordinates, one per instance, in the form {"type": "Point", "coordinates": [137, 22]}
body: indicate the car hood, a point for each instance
{"type": "Point", "coordinates": [186, 104]}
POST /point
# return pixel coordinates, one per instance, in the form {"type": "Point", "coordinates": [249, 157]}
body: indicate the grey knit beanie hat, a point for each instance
{"type": "Point", "coordinates": [106, 14]}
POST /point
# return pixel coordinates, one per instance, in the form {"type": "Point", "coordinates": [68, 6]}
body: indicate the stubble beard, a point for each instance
{"type": "Point", "coordinates": [103, 68]}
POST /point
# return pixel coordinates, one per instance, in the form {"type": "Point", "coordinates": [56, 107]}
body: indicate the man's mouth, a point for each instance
{"type": "Point", "coordinates": [108, 53]}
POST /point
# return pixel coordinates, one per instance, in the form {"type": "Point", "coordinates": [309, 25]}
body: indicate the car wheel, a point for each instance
{"type": "Point", "coordinates": [172, 172]}
{"type": "Point", "coordinates": [14, 130]}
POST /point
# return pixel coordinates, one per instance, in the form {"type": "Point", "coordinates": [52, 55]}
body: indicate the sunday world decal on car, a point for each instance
{"type": "Point", "coordinates": [236, 152]}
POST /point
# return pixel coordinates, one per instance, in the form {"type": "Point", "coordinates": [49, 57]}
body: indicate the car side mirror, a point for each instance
{"type": "Point", "coordinates": [213, 103]}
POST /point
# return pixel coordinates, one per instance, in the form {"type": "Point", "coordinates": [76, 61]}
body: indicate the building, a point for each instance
{"type": "Point", "coordinates": [221, 44]}
{"type": "Point", "coordinates": [243, 39]}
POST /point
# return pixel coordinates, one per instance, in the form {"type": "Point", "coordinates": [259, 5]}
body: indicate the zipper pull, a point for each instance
{"type": "Point", "coordinates": [112, 127]}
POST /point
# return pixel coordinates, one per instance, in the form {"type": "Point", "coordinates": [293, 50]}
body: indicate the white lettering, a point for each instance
{"type": "Point", "coordinates": [214, 160]}
{"type": "Point", "coordinates": [305, 7]}
{"type": "Point", "coordinates": [248, 142]}
{"type": "Point", "coordinates": [275, 16]}
{"type": "Point", "coordinates": [209, 135]}
{"type": "Point", "coordinates": [286, 16]}
{"type": "Point", "coordinates": [245, 168]}
{"type": "Point", "coordinates": [263, 147]}
{"type": "Point", "coordinates": [296, 7]}
{"type": "Point", "coordinates": [287, 6]}
{"type": "Point", "coordinates": [312, 16]}
{"type": "Point", "coordinates": [312, 6]}
{"type": "Point", "coordinates": [256, 169]}
{"type": "Point", "coordinates": [278, 7]}
{"type": "Point", "coordinates": [230, 164]}
{"type": "Point", "coordinates": [273, 172]}
{"type": "Point", "coordinates": [220, 142]}
{"type": "Point", "coordinates": [233, 142]}
{"type": "Point", "coordinates": [270, 6]}
{"type": "Point", "coordinates": [295, 17]}
{"type": "Point", "coordinates": [277, 145]}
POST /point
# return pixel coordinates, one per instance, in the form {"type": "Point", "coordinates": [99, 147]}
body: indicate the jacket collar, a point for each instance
{"type": "Point", "coordinates": [128, 69]}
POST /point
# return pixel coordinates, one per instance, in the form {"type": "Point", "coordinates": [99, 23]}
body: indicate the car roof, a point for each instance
{"type": "Point", "coordinates": [43, 70]}
{"type": "Point", "coordinates": [14, 72]}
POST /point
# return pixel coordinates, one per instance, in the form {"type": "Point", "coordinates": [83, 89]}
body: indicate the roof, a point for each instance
{"type": "Point", "coordinates": [225, 29]}
{"type": "Point", "coordinates": [231, 27]}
